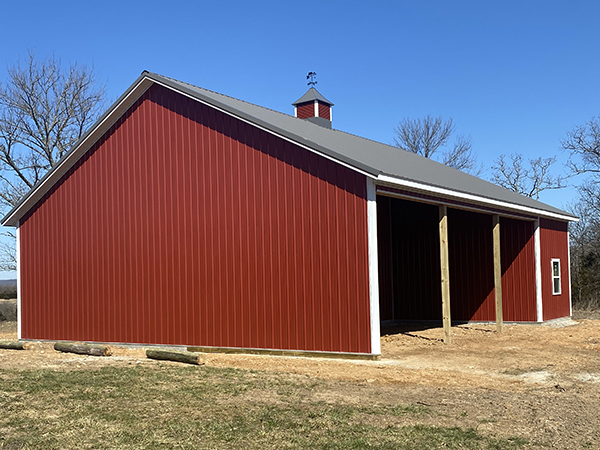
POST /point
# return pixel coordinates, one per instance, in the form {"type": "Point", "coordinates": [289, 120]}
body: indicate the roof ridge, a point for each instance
{"type": "Point", "coordinates": [234, 98]}
{"type": "Point", "coordinates": [275, 111]}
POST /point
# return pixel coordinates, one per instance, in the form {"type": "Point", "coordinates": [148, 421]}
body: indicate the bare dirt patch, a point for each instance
{"type": "Point", "coordinates": [541, 383]}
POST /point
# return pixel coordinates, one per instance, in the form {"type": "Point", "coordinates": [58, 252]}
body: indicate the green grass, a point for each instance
{"type": "Point", "coordinates": [191, 407]}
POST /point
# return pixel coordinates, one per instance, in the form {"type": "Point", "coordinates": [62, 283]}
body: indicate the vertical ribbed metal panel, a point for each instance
{"type": "Point", "coordinates": [409, 267]}
{"type": "Point", "coordinates": [554, 243]}
{"type": "Point", "coordinates": [471, 266]}
{"type": "Point", "coordinates": [325, 111]}
{"type": "Point", "coordinates": [183, 225]}
{"type": "Point", "coordinates": [305, 110]}
{"type": "Point", "coordinates": [409, 264]}
{"type": "Point", "coordinates": [517, 250]}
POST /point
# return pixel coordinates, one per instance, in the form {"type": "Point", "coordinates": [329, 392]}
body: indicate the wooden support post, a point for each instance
{"type": "Point", "coordinates": [498, 274]}
{"type": "Point", "coordinates": [445, 274]}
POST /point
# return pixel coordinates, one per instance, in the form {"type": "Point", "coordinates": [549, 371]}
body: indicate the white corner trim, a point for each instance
{"type": "Point", "coordinates": [471, 197]}
{"type": "Point", "coordinates": [538, 273]}
{"type": "Point", "coordinates": [295, 111]}
{"type": "Point", "coordinates": [316, 108]}
{"type": "Point", "coordinates": [18, 245]}
{"type": "Point", "coordinates": [569, 271]}
{"type": "Point", "coordinates": [373, 267]}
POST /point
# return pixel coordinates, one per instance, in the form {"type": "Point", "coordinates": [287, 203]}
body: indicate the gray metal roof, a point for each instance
{"type": "Point", "coordinates": [370, 156]}
{"type": "Point", "coordinates": [380, 161]}
{"type": "Point", "coordinates": [311, 95]}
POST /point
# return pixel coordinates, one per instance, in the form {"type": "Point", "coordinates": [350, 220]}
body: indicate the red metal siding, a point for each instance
{"type": "Point", "coordinates": [554, 243]}
{"type": "Point", "coordinates": [183, 225]}
{"type": "Point", "coordinates": [324, 111]}
{"type": "Point", "coordinates": [471, 263]}
{"type": "Point", "coordinates": [410, 286]}
{"type": "Point", "coordinates": [305, 110]}
{"type": "Point", "coordinates": [517, 252]}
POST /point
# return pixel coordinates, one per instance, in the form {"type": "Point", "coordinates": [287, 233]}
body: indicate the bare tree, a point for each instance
{"type": "Point", "coordinates": [528, 180]}
{"type": "Point", "coordinates": [583, 143]}
{"type": "Point", "coordinates": [43, 112]}
{"type": "Point", "coordinates": [428, 135]}
{"type": "Point", "coordinates": [585, 255]}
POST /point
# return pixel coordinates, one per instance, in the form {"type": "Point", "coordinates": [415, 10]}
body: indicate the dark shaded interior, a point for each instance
{"type": "Point", "coordinates": [409, 262]}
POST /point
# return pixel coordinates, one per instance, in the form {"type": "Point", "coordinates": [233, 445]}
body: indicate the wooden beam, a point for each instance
{"type": "Point", "coordinates": [498, 274]}
{"type": "Point", "coordinates": [443, 223]}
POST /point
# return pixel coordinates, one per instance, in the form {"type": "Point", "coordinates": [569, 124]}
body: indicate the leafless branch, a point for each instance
{"type": "Point", "coordinates": [428, 135]}
{"type": "Point", "coordinates": [583, 143]}
{"type": "Point", "coordinates": [529, 181]}
{"type": "Point", "coordinates": [43, 112]}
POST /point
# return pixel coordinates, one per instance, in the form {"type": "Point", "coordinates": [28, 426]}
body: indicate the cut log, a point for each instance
{"type": "Point", "coordinates": [183, 357]}
{"type": "Point", "coordinates": [83, 349]}
{"type": "Point", "coordinates": [15, 345]}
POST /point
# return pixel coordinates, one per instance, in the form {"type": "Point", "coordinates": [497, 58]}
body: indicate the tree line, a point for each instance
{"type": "Point", "coordinates": [45, 109]}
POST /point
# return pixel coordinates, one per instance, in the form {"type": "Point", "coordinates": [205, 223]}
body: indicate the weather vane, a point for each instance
{"type": "Point", "coordinates": [312, 77]}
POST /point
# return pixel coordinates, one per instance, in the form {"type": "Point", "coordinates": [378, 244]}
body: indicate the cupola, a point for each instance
{"type": "Point", "coordinates": [314, 107]}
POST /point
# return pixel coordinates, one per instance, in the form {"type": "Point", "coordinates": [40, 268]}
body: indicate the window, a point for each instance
{"type": "Point", "coordinates": [556, 285]}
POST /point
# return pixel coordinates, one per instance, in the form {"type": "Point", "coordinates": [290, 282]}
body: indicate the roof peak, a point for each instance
{"type": "Point", "coordinates": [311, 95]}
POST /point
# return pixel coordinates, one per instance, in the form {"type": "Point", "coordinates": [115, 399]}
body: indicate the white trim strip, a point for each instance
{"type": "Point", "coordinates": [556, 277]}
{"type": "Point", "coordinates": [471, 197]}
{"type": "Point", "coordinates": [224, 111]}
{"type": "Point", "coordinates": [89, 140]}
{"type": "Point", "coordinates": [449, 203]}
{"type": "Point", "coordinates": [569, 271]}
{"type": "Point", "coordinates": [539, 301]}
{"type": "Point", "coordinates": [316, 108]}
{"type": "Point", "coordinates": [373, 267]}
{"type": "Point", "coordinates": [18, 244]}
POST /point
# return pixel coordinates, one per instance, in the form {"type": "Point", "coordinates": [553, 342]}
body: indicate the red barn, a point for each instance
{"type": "Point", "coordinates": [186, 217]}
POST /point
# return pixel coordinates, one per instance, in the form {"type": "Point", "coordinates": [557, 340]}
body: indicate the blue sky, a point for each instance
{"type": "Point", "coordinates": [514, 75]}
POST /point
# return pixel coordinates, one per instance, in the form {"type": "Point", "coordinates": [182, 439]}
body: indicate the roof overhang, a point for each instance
{"type": "Point", "coordinates": [460, 198]}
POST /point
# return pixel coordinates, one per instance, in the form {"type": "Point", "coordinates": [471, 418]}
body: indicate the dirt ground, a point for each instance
{"type": "Point", "coordinates": [539, 382]}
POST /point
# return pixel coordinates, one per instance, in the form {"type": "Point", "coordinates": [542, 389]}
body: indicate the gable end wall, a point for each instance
{"type": "Point", "coordinates": [185, 226]}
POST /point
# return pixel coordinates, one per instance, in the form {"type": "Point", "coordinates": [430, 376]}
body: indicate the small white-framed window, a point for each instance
{"type": "Point", "coordinates": [556, 281]}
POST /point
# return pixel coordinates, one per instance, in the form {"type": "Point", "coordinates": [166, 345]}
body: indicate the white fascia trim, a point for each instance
{"type": "Point", "coordinates": [299, 144]}
{"type": "Point", "coordinates": [450, 204]}
{"type": "Point", "coordinates": [373, 267]}
{"type": "Point", "coordinates": [94, 134]}
{"type": "Point", "coordinates": [569, 271]}
{"type": "Point", "coordinates": [316, 108]}
{"type": "Point", "coordinates": [538, 273]}
{"type": "Point", "coordinates": [18, 244]}
{"type": "Point", "coordinates": [471, 197]}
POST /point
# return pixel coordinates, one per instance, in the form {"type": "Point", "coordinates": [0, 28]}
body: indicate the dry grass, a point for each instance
{"type": "Point", "coordinates": [169, 406]}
